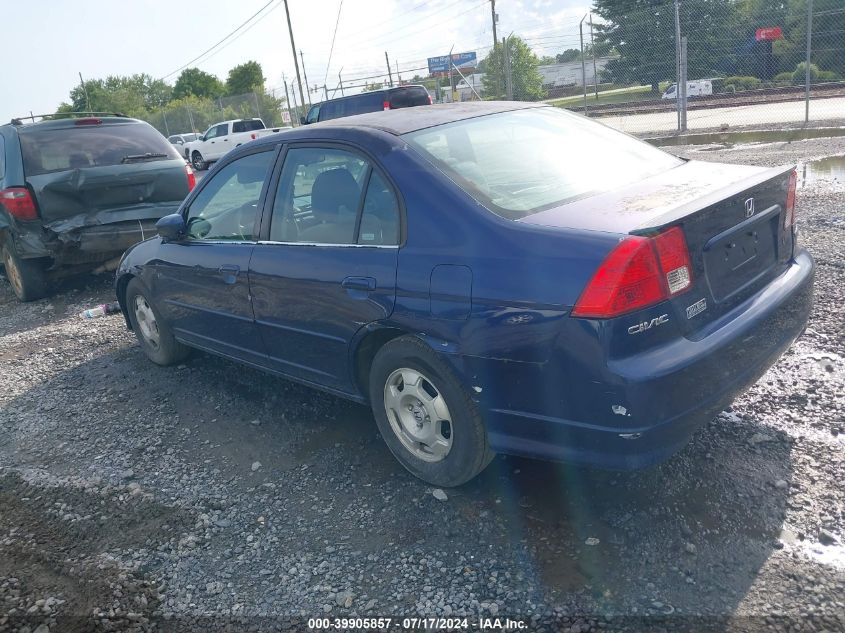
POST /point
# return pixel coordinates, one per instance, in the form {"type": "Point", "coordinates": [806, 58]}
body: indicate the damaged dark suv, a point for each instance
{"type": "Point", "coordinates": [77, 191]}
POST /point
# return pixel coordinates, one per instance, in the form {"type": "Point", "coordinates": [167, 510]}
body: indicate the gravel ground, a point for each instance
{"type": "Point", "coordinates": [209, 496]}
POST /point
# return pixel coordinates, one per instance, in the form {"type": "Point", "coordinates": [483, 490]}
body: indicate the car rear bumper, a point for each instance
{"type": "Point", "coordinates": [660, 397]}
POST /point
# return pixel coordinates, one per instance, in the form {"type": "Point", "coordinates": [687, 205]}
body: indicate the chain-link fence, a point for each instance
{"type": "Point", "coordinates": [690, 65]}
{"type": "Point", "coordinates": [193, 114]}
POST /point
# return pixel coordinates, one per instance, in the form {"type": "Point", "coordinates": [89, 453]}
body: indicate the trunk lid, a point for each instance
{"type": "Point", "coordinates": [733, 222]}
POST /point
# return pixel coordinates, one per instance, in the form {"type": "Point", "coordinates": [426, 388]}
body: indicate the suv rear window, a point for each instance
{"type": "Point", "coordinates": [409, 97]}
{"type": "Point", "coordinates": [247, 126]}
{"type": "Point", "coordinates": [46, 150]}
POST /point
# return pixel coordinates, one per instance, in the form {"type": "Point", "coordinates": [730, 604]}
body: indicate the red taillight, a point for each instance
{"type": "Point", "coordinates": [19, 203]}
{"type": "Point", "coordinates": [638, 273]}
{"type": "Point", "coordinates": [430, 101]}
{"type": "Point", "coordinates": [88, 121]}
{"type": "Point", "coordinates": [789, 216]}
{"type": "Point", "coordinates": [192, 179]}
{"type": "Point", "coordinates": [253, 136]}
{"type": "Point", "coordinates": [386, 105]}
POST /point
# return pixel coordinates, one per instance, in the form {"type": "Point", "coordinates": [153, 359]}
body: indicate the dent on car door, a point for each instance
{"type": "Point", "coordinates": [201, 282]}
{"type": "Point", "coordinates": [327, 265]}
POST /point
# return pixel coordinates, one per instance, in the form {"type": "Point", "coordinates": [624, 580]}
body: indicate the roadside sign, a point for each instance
{"type": "Point", "coordinates": [461, 60]}
{"type": "Point", "coordinates": [286, 117]}
{"type": "Point", "coordinates": [769, 33]}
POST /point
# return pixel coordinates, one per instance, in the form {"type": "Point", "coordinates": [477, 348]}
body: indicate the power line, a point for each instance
{"type": "Point", "coordinates": [331, 50]}
{"type": "Point", "coordinates": [221, 41]}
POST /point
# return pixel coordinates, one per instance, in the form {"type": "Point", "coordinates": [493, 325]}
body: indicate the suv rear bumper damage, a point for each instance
{"type": "Point", "coordinates": [80, 245]}
{"type": "Point", "coordinates": [647, 406]}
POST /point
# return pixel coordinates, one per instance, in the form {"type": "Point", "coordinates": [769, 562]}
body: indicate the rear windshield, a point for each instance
{"type": "Point", "coordinates": [522, 162]}
{"type": "Point", "coordinates": [408, 97]}
{"type": "Point", "coordinates": [247, 126]}
{"type": "Point", "coordinates": [49, 150]}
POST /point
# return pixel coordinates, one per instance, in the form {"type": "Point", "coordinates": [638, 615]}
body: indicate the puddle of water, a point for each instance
{"type": "Point", "coordinates": [756, 136]}
{"type": "Point", "coordinates": [831, 168]}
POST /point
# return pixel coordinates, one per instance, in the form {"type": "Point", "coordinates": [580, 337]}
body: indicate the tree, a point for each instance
{"type": "Point", "coordinates": [193, 81]}
{"type": "Point", "coordinates": [133, 95]}
{"type": "Point", "coordinates": [642, 32]}
{"type": "Point", "coordinates": [527, 81]}
{"type": "Point", "coordinates": [247, 77]}
{"type": "Point", "coordinates": [569, 55]}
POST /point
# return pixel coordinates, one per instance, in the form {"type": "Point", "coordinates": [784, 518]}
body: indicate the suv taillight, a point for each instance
{"type": "Point", "coordinates": [430, 100]}
{"type": "Point", "coordinates": [386, 105]}
{"type": "Point", "coordinates": [639, 272]}
{"type": "Point", "coordinates": [789, 216]}
{"type": "Point", "coordinates": [192, 179]}
{"type": "Point", "coordinates": [19, 203]}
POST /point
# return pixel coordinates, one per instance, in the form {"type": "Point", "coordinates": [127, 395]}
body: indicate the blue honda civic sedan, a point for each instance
{"type": "Point", "coordinates": [493, 277]}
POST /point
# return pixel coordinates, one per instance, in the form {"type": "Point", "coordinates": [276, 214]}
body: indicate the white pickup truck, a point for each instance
{"type": "Point", "coordinates": [223, 136]}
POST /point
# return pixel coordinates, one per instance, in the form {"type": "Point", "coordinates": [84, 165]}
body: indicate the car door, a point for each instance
{"type": "Point", "coordinates": [201, 282]}
{"type": "Point", "coordinates": [217, 143]}
{"type": "Point", "coordinates": [326, 264]}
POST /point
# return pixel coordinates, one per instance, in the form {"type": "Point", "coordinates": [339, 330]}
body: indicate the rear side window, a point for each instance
{"type": "Point", "coordinates": [222, 129]}
{"type": "Point", "coordinates": [247, 126]}
{"type": "Point", "coordinates": [47, 150]}
{"type": "Point", "coordinates": [408, 97]}
{"type": "Point", "coordinates": [367, 102]}
{"type": "Point", "coordinates": [330, 110]}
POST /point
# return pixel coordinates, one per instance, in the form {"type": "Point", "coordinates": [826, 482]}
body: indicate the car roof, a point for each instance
{"type": "Point", "coordinates": [404, 120]}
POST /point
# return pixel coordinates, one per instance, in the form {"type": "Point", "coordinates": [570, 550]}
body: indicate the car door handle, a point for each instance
{"type": "Point", "coordinates": [366, 284]}
{"type": "Point", "coordinates": [229, 273]}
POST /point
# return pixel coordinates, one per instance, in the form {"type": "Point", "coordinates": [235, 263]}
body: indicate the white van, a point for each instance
{"type": "Point", "coordinates": [698, 88]}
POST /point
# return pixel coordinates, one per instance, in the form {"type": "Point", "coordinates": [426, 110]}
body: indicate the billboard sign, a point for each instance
{"type": "Point", "coordinates": [460, 60]}
{"type": "Point", "coordinates": [769, 33]}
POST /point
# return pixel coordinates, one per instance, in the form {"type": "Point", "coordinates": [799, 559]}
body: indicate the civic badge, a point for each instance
{"type": "Point", "coordinates": [749, 207]}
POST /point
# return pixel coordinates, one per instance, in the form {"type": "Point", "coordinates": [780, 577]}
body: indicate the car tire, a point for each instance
{"type": "Point", "coordinates": [153, 332]}
{"type": "Point", "coordinates": [425, 415]}
{"type": "Point", "coordinates": [27, 277]}
{"type": "Point", "coordinates": [197, 161]}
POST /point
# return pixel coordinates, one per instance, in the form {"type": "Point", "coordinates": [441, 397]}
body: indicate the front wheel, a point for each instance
{"type": "Point", "coordinates": [27, 276]}
{"type": "Point", "coordinates": [197, 161]}
{"type": "Point", "coordinates": [153, 332]}
{"type": "Point", "coordinates": [427, 418]}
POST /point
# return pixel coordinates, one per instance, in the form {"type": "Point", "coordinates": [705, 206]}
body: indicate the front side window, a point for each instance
{"type": "Point", "coordinates": [313, 114]}
{"type": "Point", "coordinates": [227, 207]}
{"type": "Point", "coordinates": [525, 161]}
{"type": "Point", "coordinates": [333, 196]}
{"type": "Point", "coordinates": [210, 133]}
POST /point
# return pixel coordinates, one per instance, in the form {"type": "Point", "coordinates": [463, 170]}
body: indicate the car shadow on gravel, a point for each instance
{"type": "Point", "coordinates": [688, 536]}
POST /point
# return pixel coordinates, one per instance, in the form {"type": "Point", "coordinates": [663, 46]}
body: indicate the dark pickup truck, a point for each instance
{"type": "Point", "coordinates": [76, 191]}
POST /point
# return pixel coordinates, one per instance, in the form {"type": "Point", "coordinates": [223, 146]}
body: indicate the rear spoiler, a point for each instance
{"type": "Point", "coordinates": [60, 115]}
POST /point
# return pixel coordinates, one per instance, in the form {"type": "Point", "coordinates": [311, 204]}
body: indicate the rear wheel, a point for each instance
{"type": "Point", "coordinates": [154, 334]}
{"type": "Point", "coordinates": [425, 415]}
{"type": "Point", "coordinates": [27, 276]}
{"type": "Point", "coordinates": [197, 161]}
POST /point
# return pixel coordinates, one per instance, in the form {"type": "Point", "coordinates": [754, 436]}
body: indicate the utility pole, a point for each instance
{"type": "Point", "coordinates": [678, 60]}
{"type": "Point", "coordinates": [305, 74]}
{"type": "Point", "coordinates": [163, 114]}
{"type": "Point", "coordinates": [340, 79]}
{"type": "Point", "coordinates": [493, 13]}
{"type": "Point", "coordinates": [295, 106]}
{"type": "Point", "coordinates": [583, 66]}
{"type": "Point", "coordinates": [389, 73]}
{"type": "Point", "coordinates": [295, 60]}
{"type": "Point", "coordinates": [85, 92]}
{"type": "Point", "coordinates": [807, 61]}
{"type": "Point", "coordinates": [593, 49]}
{"type": "Point", "coordinates": [508, 75]}
{"type": "Point", "coordinates": [325, 92]}
{"type": "Point", "coordinates": [398, 76]}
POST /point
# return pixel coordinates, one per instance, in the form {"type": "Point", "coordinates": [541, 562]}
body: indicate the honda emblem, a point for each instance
{"type": "Point", "coordinates": [749, 207]}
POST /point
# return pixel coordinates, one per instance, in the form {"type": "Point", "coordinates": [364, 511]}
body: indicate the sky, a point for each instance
{"type": "Point", "coordinates": [52, 41]}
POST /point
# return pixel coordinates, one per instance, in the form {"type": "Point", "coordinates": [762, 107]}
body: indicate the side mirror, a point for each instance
{"type": "Point", "coordinates": [303, 121]}
{"type": "Point", "coordinates": [171, 227]}
{"type": "Point", "coordinates": [201, 137]}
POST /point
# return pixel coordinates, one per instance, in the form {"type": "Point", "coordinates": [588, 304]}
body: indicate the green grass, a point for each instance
{"type": "Point", "coordinates": [621, 95]}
